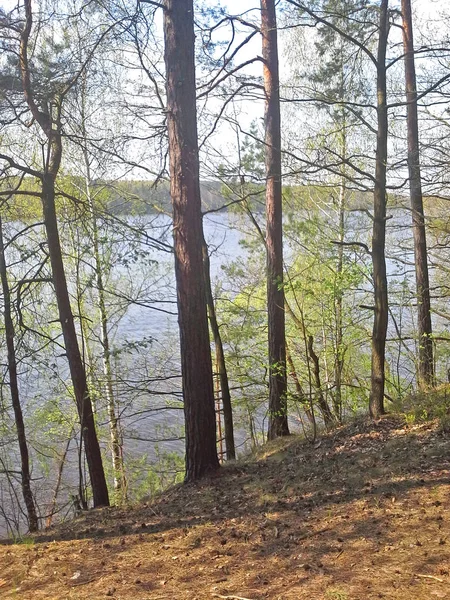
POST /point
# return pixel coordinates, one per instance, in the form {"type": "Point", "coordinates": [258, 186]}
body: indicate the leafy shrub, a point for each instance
{"type": "Point", "coordinates": [427, 405]}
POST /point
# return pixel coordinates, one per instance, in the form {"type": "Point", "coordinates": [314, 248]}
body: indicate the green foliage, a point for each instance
{"type": "Point", "coordinates": [22, 207]}
{"type": "Point", "coordinates": [314, 286]}
{"type": "Point", "coordinates": [335, 594]}
{"type": "Point", "coordinates": [322, 289]}
{"type": "Point", "coordinates": [422, 406]}
{"type": "Point", "coordinates": [24, 540]}
{"type": "Point", "coordinates": [333, 71]}
{"type": "Point", "coordinates": [253, 154]}
{"type": "Point", "coordinates": [149, 478]}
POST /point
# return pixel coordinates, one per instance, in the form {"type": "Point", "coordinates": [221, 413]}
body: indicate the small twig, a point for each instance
{"type": "Point", "coordinates": [366, 307]}
{"type": "Point", "coordinates": [83, 582]}
{"type": "Point", "coordinates": [430, 577]}
{"type": "Point", "coordinates": [313, 533]}
{"type": "Point", "coordinates": [230, 597]}
{"type": "Point", "coordinates": [365, 247]}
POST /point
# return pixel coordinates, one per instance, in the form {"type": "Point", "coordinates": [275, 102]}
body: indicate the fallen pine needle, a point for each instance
{"type": "Point", "coordinates": [430, 577]}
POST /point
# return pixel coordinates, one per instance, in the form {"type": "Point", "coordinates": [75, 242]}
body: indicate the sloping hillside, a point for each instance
{"type": "Point", "coordinates": [363, 513]}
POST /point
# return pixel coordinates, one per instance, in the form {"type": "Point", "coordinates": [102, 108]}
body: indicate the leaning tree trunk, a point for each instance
{"type": "Point", "coordinates": [424, 327]}
{"type": "Point", "coordinates": [220, 360]}
{"type": "Point", "coordinates": [376, 403]}
{"type": "Point", "coordinates": [51, 127]}
{"type": "Point", "coordinates": [278, 422]}
{"type": "Point", "coordinates": [327, 415]}
{"type": "Point", "coordinates": [33, 522]}
{"type": "Point", "coordinates": [196, 367]}
{"type": "Point", "coordinates": [76, 367]}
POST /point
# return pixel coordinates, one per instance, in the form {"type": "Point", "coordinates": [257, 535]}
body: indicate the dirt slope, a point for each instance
{"type": "Point", "coordinates": [364, 513]}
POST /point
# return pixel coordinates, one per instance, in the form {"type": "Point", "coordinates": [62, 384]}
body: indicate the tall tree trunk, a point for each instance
{"type": "Point", "coordinates": [33, 522]}
{"type": "Point", "coordinates": [220, 360]}
{"type": "Point", "coordinates": [76, 367]}
{"type": "Point", "coordinates": [51, 127]}
{"type": "Point", "coordinates": [278, 422]}
{"type": "Point", "coordinates": [376, 403]}
{"type": "Point", "coordinates": [424, 326]}
{"type": "Point", "coordinates": [196, 367]}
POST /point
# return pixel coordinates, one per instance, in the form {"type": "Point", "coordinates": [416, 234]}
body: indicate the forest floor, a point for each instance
{"type": "Point", "coordinates": [363, 513]}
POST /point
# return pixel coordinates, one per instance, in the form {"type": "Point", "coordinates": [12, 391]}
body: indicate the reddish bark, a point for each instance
{"type": "Point", "coordinates": [196, 367]}
{"type": "Point", "coordinates": [278, 422]}
{"type": "Point", "coordinates": [424, 326]}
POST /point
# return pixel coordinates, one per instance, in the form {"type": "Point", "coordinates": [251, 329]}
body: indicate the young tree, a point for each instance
{"type": "Point", "coordinates": [25, 474]}
{"type": "Point", "coordinates": [353, 167]}
{"type": "Point", "coordinates": [337, 88]}
{"type": "Point", "coordinates": [198, 392]}
{"type": "Point", "coordinates": [380, 323]}
{"type": "Point", "coordinates": [222, 372]}
{"type": "Point", "coordinates": [120, 483]}
{"type": "Point", "coordinates": [278, 422]}
{"type": "Point", "coordinates": [47, 114]}
{"type": "Point", "coordinates": [424, 326]}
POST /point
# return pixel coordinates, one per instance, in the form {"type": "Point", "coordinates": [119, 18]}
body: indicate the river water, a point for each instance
{"type": "Point", "coordinates": [149, 379]}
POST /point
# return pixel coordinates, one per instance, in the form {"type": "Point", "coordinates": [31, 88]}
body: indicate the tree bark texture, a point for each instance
{"type": "Point", "coordinates": [51, 127]}
{"type": "Point", "coordinates": [376, 403]}
{"type": "Point", "coordinates": [220, 360]}
{"type": "Point", "coordinates": [196, 367]}
{"type": "Point", "coordinates": [278, 422]}
{"type": "Point", "coordinates": [33, 522]}
{"type": "Point", "coordinates": [424, 326]}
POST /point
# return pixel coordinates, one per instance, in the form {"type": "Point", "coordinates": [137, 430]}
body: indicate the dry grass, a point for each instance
{"type": "Point", "coordinates": [362, 514]}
